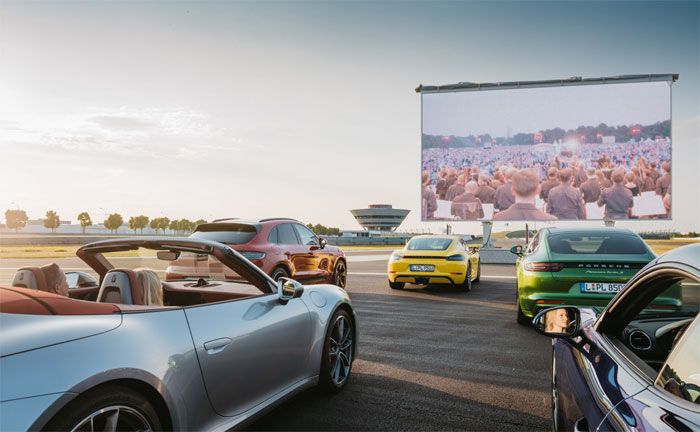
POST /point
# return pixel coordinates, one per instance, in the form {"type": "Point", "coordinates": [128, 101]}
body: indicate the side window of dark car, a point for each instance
{"type": "Point", "coordinates": [272, 238]}
{"type": "Point", "coordinates": [286, 235]}
{"type": "Point", "coordinates": [307, 236]}
{"type": "Point", "coordinates": [680, 375]}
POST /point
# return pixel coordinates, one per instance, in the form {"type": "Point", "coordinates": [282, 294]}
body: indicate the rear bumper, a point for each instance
{"type": "Point", "coordinates": [424, 279]}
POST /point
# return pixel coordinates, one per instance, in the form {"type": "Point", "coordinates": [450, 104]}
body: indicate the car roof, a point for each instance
{"type": "Point", "coordinates": [688, 255]}
{"type": "Point", "coordinates": [443, 236]}
{"type": "Point", "coordinates": [253, 221]}
{"type": "Point", "coordinates": [590, 230]}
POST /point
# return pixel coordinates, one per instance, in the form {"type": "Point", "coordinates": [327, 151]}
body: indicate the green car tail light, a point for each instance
{"type": "Point", "coordinates": [543, 266]}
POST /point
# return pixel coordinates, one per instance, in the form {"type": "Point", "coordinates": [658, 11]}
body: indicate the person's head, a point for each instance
{"type": "Point", "coordinates": [590, 172]}
{"type": "Point", "coordinates": [483, 180]}
{"type": "Point", "coordinates": [55, 279]}
{"type": "Point", "coordinates": [666, 166]}
{"type": "Point", "coordinates": [635, 171]}
{"type": "Point", "coordinates": [471, 187]}
{"type": "Point", "coordinates": [618, 175]}
{"type": "Point", "coordinates": [425, 178]}
{"type": "Point", "coordinates": [150, 284]}
{"type": "Point", "coordinates": [553, 173]}
{"type": "Point", "coordinates": [630, 176]}
{"type": "Point", "coordinates": [510, 171]}
{"type": "Point", "coordinates": [556, 321]}
{"type": "Point", "coordinates": [565, 175]}
{"type": "Point", "coordinates": [462, 179]}
{"type": "Point", "coordinates": [526, 185]}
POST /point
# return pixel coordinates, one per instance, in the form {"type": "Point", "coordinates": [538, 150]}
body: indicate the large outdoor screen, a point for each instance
{"type": "Point", "coordinates": [568, 152]}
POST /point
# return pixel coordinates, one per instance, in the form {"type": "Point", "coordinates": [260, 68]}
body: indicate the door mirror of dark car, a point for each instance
{"type": "Point", "coordinates": [322, 242]}
{"type": "Point", "coordinates": [77, 279]}
{"type": "Point", "coordinates": [517, 250]}
{"type": "Point", "coordinates": [288, 289]}
{"type": "Point", "coordinates": [168, 255]}
{"type": "Point", "coordinates": [562, 322]}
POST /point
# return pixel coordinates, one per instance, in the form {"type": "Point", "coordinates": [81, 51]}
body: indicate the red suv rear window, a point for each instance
{"type": "Point", "coordinates": [229, 233]}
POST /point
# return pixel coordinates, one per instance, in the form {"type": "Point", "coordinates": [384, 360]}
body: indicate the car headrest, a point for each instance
{"type": "Point", "coordinates": [30, 277]}
{"type": "Point", "coordinates": [120, 286]}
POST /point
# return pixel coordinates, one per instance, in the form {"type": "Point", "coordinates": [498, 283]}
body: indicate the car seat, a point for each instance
{"type": "Point", "coordinates": [120, 286]}
{"type": "Point", "coordinates": [30, 277]}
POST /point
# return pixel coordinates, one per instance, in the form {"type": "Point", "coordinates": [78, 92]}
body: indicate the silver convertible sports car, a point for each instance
{"type": "Point", "coordinates": [218, 351]}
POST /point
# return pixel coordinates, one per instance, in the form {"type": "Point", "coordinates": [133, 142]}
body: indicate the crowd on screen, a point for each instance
{"type": "Point", "coordinates": [561, 179]}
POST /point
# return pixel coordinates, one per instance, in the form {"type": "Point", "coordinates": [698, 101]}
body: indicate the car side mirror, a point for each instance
{"type": "Point", "coordinates": [322, 242]}
{"type": "Point", "coordinates": [78, 279]}
{"type": "Point", "coordinates": [288, 289]}
{"type": "Point", "coordinates": [558, 322]}
{"type": "Point", "coordinates": [517, 250]}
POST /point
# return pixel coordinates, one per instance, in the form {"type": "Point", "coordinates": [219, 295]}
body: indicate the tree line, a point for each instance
{"type": "Point", "coordinates": [17, 219]}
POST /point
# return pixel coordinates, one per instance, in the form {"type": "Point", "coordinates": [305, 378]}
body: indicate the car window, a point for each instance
{"type": "Point", "coordinates": [595, 244]}
{"type": "Point", "coordinates": [272, 237]}
{"type": "Point", "coordinates": [680, 375]}
{"type": "Point", "coordinates": [429, 243]}
{"type": "Point", "coordinates": [533, 244]}
{"type": "Point", "coordinates": [307, 236]}
{"type": "Point", "coordinates": [226, 233]}
{"type": "Point", "coordinates": [681, 298]}
{"type": "Point", "coordinates": [286, 235]}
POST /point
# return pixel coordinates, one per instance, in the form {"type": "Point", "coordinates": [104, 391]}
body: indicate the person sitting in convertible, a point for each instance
{"type": "Point", "coordinates": [55, 279]}
{"type": "Point", "coordinates": [152, 294]}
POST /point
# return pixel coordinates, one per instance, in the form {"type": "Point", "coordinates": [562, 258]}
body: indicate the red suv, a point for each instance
{"type": "Point", "coordinates": [280, 247]}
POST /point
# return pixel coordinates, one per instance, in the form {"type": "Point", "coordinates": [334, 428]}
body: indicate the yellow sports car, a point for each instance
{"type": "Point", "coordinates": [430, 259]}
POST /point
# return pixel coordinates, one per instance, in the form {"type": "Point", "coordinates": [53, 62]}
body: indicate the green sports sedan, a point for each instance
{"type": "Point", "coordinates": [579, 267]}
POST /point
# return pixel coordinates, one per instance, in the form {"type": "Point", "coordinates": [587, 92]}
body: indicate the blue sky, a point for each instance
{"type": "Point", "coordinates": [214, 109]}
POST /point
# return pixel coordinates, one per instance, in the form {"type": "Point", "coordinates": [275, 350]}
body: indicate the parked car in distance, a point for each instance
{"type": "Point", "coordinates": [636, 364]}
{"type": "Point", "coordinates": [433, 259]}
{"type": "Point", "coordinates": [281, 247]}
{"type": "Point", "coordinates": [578, 267]}
{"type": "Point", "coordinates": [214, 355]}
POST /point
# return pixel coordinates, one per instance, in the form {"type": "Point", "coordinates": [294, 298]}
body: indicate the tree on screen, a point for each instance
{"type": "Point", "coordinates": [113, 222]}
{"type": "Point", "coordinates": [85, 221]}
{"type": "Point", "coordinates": [52, 220]}
{"type": "Point", "coordinates": [16, 219]}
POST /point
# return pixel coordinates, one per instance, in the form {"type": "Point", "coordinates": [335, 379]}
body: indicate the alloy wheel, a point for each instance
{"type": "Point", "coordinates": [341, 274]}
{"type": "Point", "coordinates": [113, 418]}
{"type": "Point", "coordinates": [340, 350]}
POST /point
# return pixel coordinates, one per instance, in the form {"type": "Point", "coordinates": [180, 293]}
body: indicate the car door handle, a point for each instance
{"type": "Point", "coordinates": [216, 345]}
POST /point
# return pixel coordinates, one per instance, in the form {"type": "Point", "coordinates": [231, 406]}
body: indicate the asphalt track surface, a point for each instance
{"type": "Point", "coordinates": [429, 359]}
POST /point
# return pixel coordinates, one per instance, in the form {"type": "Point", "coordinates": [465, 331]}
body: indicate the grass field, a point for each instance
{"type": "Point", "coordinates": [68, 251]}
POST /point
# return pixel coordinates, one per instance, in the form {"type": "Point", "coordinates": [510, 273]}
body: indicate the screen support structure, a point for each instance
{"type": "Point", "coordinates": [486, 227]}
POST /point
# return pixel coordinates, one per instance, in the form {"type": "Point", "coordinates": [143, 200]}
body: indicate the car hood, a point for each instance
{"type": "Point", "coordinates": [22, 332]}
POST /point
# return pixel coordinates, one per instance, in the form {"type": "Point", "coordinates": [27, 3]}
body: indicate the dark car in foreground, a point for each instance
{"type": "Point", "coordinates": [577, 267]}
{"type": "Point", "coordinates": [636, 364]}
{"type": "Point", "coordinates": [281, 247]}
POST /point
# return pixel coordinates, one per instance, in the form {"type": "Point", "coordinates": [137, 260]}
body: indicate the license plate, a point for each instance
{"type": "Point", "coordinates": [601, 287]}
{"type": "Point", "coordinates": [422, 267]}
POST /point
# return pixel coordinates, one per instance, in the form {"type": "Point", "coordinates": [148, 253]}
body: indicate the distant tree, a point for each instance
{"type": "Point", "coordinates": [85, 221]}
{"type": "Point", "coordinates": [141, 222]}
{"type": "Point", "coordinates": [154, 224]}
{"type": "Point", "coordinates": [133, 223]}
{"type": "Point", "coordinates": [16, 219]}
{"type": "Point", "coordinates": [52, 220]}
{"type": "Point", "coordinates": [174, 226]}
{"type": "Point", "coordinates": [113, 222]}
{"type": "Point", "coordinates": [323, 230]}
{"type": "Point", "coordinates": [163, 223]}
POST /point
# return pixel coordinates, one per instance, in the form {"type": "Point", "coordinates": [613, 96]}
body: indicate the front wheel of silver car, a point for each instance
{"type": "Point", "coordinates": [338, 353]}
{"type": "Point", "coordinates": [109, 408]}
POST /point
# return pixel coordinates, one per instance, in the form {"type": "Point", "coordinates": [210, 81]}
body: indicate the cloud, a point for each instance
{"type": "Point", "coordinates": [179, 133]}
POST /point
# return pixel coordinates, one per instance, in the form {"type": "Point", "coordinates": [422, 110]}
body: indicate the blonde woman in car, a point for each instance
{"type": "Point", "coordinates": [150, 284]}
{"type": "Point", "coordinates": [557, 321]}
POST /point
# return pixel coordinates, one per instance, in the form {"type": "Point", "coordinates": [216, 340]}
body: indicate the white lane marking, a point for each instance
{"type": "Point", "coordinates": [384, 274]}
{"type": "Point", "coordinates": [365, 258]}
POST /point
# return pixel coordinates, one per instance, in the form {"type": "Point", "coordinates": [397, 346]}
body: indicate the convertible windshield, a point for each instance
{"type": "Point", "coordinates": [427, 243]}
{"type": "Point", "coordinates": [608, 243]}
